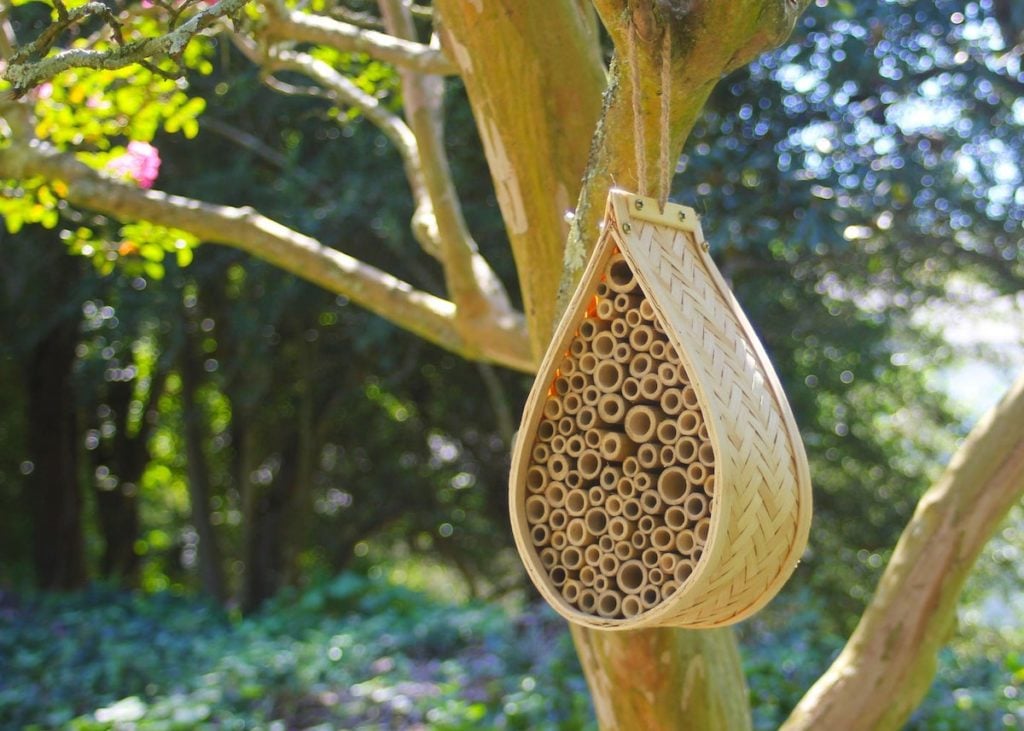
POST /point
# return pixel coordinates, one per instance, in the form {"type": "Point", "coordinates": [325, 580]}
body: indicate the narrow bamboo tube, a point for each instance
{"type": "Point", "coordinates": [539, 454]}
{"type": "Point", "coordinates": [609, 477]}
{"type": "Point", "coordinates": [588, 362]}
{"type": "Point", "coordinates": [574, 445]}
{"type": "Point", "coordinates": [596, 521]}
{"type": "Point", "coordinates": [631, 388]}
{"type": "Point", "coordinates": [649, 558]}
{"type": "Point", "coordinates": [689, 421]}
{"type": "Point", "coordinates": [671, 401]}
{"type": "Point", "coordinates": [572, 403]}
{"type": "Point", "coordinates": [663, 539]}
{"type": "Point", "coordinates": [609, 604]}
{"type": "Point", "coordinates": [603, 345]}
{"type": "Point", "coordinates": [669, 588]}
{"type": "Point", "coordinates": [548, 557]}
{"type": "Point", "coordinates": [537, 477]}
{"type": "Point", "coordinates": [655, 575]}
{"type": "Point", "coordinates": [686, 542]}
{"type": "Point", "coordinates": [646, 524]}
{"type": "Point", "coordinates": [667, 562]}
{"type": "Point", "coordinates": [690, 398]}
{"type": "Point", "coordinates": [587, 418]}
{"type": "Point", "coordinates": [696, 473]}
{"type": "Point", "coordinates": [633, 318]}
{"type": "Point", "coordinates": [608, 376]}
{"type": "Point", "coordinates": [619, 528]}
{"type": "Point", "coordinates": [587, 576]}
{"type": "Point", "coordinates": [619, 276]}
{"type": "Point", "coordinates": [622, 353]}
{"type": "Point", "coordinates": [650, 596]}
{"type": "Point", "coordinates": [587, 601]}
{"type": "Point", "coordinates": [592, 437]}
{"type": "Point", "coordinates": [611, 408]}
{"type": "Point", "coordinates": [558, 576]}
{"type": "Point", "coordinates": [589, 464]}
{"type": "Point", "coordinates": [682, 375]}
{"type": "Point", "coordinates": [554, 494]}
{"type": "Point", "coordinates": [561, 385]}
{"type": "Point", "coordinates": [557, 444]}
{"type": "Point", "coordinates": [546, 431]}
{"type": "Point", "coordinates": [643, 481]}
{"type": "Point", "coordinates": [641, 365]}
{"type": "Point", "coordinates": [608, 565]}
{"type": "Point", "coordinates": [605, 309]}
{"type": "Point", "coordinates": [647, 310]}
{"type": "Point", "coordinates": [592, 555]}
{"type": "Point", "coordinates": [673, 486]}
{"type": "Point", "coordinates": [566, 426]}
{"type": "Point", "coordinates": [537, 508]}
{"type": "Point", "coordinates": [667, 455]}
{"type": "Point", "coordinates": [658, 349]}
{"type": "Point", "coordinates": [558, 519]}
{"type": "Point", "coordinates": [591, 395]}
{"type": "Point", "coordinates": [632, 576]}
{"type": "Point", "coordinates": [641, 422]}
{"type": "Point", "coordinates": [702, 433]}
{"type": "Point", "coordinates": [590, 327]}
{"type": "Point", "coordinates": [668, 374]}
{"type": "Point", "coordinates": [631, 606]}
{"type": "Point", "coordinates": [576, 503]}
{"type": "Point", "coordinates": [675, 518]}
{"type": "Point", "coordinates": [709, 485]}
{"type": "Point", "coordinates": [606, 543]}
{"type": "Point", "coordinates": [568, 366]}
{"type": "Point", "coordinates": [683, 570]}
{"type": "Point", "coordinates": [641, 337]}
{"type": "Point", "coordinates": [571, 590]}
{"type": "Point", "coordinates": [578, 381]}
{"type": "Point", "coordinates": [696, 506]}
{"type": "Point", "coordinates": [706, 454]}
{"type": "Point", "coordinates": [651, 387]}
{"type": "Point", "coordinates": [577, 347]}
{"type": "Point", "coordinates": [602, 583]}
{"type": "Point", "coordinates": [558, 466]}
{"type": "Point", "coordinates": [602, 291]}
{"type": "Point", "coordinates": [625, 302]}
{"type": "Point", "coordinates": [651, 502]}
{"type": "Point", "coordinates": [558, 540]}
{"type": "Point", "coordinates": [626, 550]}
{"type": "Point", "coordinates": [577, 534]}
{"type": "Point", "coordinates": [572, 558]}
{"type": "Point", "coordinates": [639, 540]}
{"type": "Point", "coordinates": [613, 506]}
{"type": "Point", "coordinates": [615, 446]}
{"type": "Point", "coordinates": [668, 432]}
{"type": "Point", "coordinates": [630, 466]}
{"type": "Point", "coordinates": [698, 552]}
{"type": "Point", "coordinates": [625, 488]}
{"type": "Point", "coordinates": [620, 329]}
{"type": "Point", "coordinates": [573, 480]}
{"type": "Point", "coordinates": [670, 353]}
{"type": "Point", "coordinates": [686, 449]}
{"type": "Point", "coordinates": [632, 508]}
{"type": "Point", "coordinates": [540, 535]}
{"type": "Point", "coordinates": [701, 531]}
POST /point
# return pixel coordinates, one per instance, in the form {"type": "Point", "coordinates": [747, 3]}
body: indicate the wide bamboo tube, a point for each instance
{"type": "Point", "coordinates": [540, 535]}
{"type": "Point", "coordinates": [618, 276]}
{"type": "Point", "coordinates": [631, 388]}
{"type": "Point", "coordinates": [633, 318]}
{"type": "Point", "coordinates": [649, 557]}
{"type": "Point", "coordinates": [609, 604]}
{"type": "Point", "coordinates": [540, 454]}
{"type": "Point", "coordinates": [553, 408]}
{"type": "Point", "coordinates": [641, 365]}
{"type": "Point", "coordinates": [686, 449]}
{"type": "Point", "coordinates": [619, 528]}
{"type": "Point", "coordinates": [615, 446]}
{"type": "Point", "coordinates": [630, 466]}
{"type": "Point", "coordinates": [631, 606]}
{"type": "Point", "coordinates": [651, 388]}
{"type": "Point", "coordinates": [632, 576]}
{"type": "Point", "coordinates": [689, 422]}
{"type": "Point", "coordinates": [572, 403]}
{"type": "Point", "coordinates": [588, 362]}
{"type": "Point", "coordinates": [592, 555]}
{"type": "Point", "coordinates": [686, 542]}
{"type": "Point", "coordinates": [626, 550]}
{"type": "Point", "coordinates": [706, 454]}
{"type": "Point", "coordinates": [667, 562]}
{"type": "Point", "coordinates": [576, 503]}
{"type": "Point", "coordinates": [573, 480]}
{"type": "Point", "coordinates": [574, 445]}
{"type": "Point", "coordinates": [673, 486]}
{"type": "Point", "coordinates": [609, 565]}
{"type": "Point", "coordinates": [696, 506]}
{"type": "Point", "coordinates": [578, 381]}
{"type": "Point", "coordinates": [611, 409]}
{"type": "Point", "coordinates": [603, 345]}
{"type": "Point", "coordinates": [537, 478]}
{"type": "Point", "coordinates": [608, 376]}
{"type": "Point", "coordinates": [572, 557]}
{"type": "Point", "coordinates": [546, 431]}
{"type": "Point", "coordinates": [589, 464]}
{"type": "Point", "coordinates": [675, 518]}
{"type": "Point", "coordinates": [658, 350]}
{"type": "Point", "coordinates": [587, 418]}
{"type": "Point", "coordinates": [537, 509]}
{"type": "Point", "coordinates": [554, 494]}
{"type": "Point", "coordinates": [622, 353]}
{"type": "Point", "coordinates": [668, 433]}
{"type": "Point", "coordinates": [567, 366]}
{"type": "Point", "coordinates": [641, 337]}
{"type": "Point", "coordinates": [571, 590]}
{"type": "Point", "coordinates": [558, 540]}
{"type": "Point", "coordinates": [558, 519]}
{"type": "Point", "coordinates": [683, 570]}
{"type": "Point", "coordinates": [663, 539]}
{"type": "Point", "coordinates": [596, 521]}
{"type": "Point", "coordinates": [609, 477]}
{"type": "Point", "coordinates": [605, 309]}
{"type": "Point", "coordinates": [625, 488]}
{"type": "Point", "coordinates": [671, 401]}
{"type": "Point", "coordinates": [641, 422]}
{"type": "Point", "coordinates": [632, 509]}
{"type": "Point", "coordinates": [587, 576]}
{"type": "Point", "coordinates": [548, 557]}
{"type": "Point", "coordinates": [577, 534]}
{"type": "Point", "coordinates": [587, 601]}
{"type": "Point", "coordinates": [668, 374]}
{"type": "Point", "coordinates": [651, 502]}
{"type": "Point", "coordinates": [613, 506]}
{"type": "Point", "coordinates": [558, 575]}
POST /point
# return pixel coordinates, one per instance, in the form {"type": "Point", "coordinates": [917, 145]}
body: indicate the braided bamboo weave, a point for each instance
{"type": "Point", "coordinates": [751, 488]}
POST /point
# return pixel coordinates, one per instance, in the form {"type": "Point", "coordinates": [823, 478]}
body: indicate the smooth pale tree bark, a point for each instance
{"type": "Point", "coordinates": [888, 664]}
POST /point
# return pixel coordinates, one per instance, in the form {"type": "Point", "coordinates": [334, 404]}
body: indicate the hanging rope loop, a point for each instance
{"type": "Point", "coordinates": [665, 167]}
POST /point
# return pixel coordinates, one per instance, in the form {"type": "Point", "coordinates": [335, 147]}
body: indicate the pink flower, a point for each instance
{"type": "Point", "coordinates": [140, 162]}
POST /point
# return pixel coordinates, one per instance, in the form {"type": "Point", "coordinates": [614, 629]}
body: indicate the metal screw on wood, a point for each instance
{"type": "Point", "coordinates": [626, 227]}
{"type": "Point", "coordinates": [705, 245]}
{"type": "Point", "coordinates": [639, 204]}
{"type": "Point", "coordinates": [682, 215]}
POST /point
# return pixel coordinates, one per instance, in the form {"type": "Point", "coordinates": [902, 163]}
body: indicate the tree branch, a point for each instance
{"type": "Point", "coordinates": [501, 339]}
{"type": "Point", "coordinates": [889, 662]}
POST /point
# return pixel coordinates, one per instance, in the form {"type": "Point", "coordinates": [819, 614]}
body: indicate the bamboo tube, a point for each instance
{"type": "Point", "coordinates": [561, 386]}
{"type": "Point", "coordinates": [643, 481]}
{"type": "Point", "coordinates": [619, 276]}
{"type": "Point", "coordinates": [571, 590]}
{"type": "Point", "coordinates": [540, 535]}
{"type": "Point", "coordinates": [602, 583]}
{"type": "Point", "coordinates": [639, 540]}
{"type": "Point", "coordinates": [578, 535]}
{"type": "Point", "coordinates": [706, 454]}
{"type": "Point", "coordinates": [576, 503]}
{"type": "Point", "coordinates": [630, 466]}
{"type": "Point", "coordinates": [686, 542]}
{"type": "Point", "coordinates": [615, 446]}
{"type": "Point", "coordinates": [578, 381]}
{"type": "Point", "coordinates": [596, 521]}
{"type": "Point", "coordinates": [632, 509]}
{"type": "Point", "coordinates": [546, 431]}
{"type": "Point", "coordinates": [587, 601]}
{"type": "Point", "coordinates": [683, 570]}
{"type": "Point", "coordinates": [606, 543]}
{"type": "Point", "coordinates": [702, 433]}
{"type": "Point", "coordinates": [667, 562]}
{"type": "Point", "coordinates": [609, 604]}
{"type": "Point", "coordinates": [650, 596]}
{"type": "Point", "coordinates": [558, 466]}
{"type": "Point", "coordinates": [572, 403]}
{"type": "Point", "coordinates": [537, 509]}
{"type": "Point", "coordinates": [696, 473]}
{"type": "Point", "coordinates": [667, 455]}
{"type": "Point", "coordinates": [557, 444]}
{"type": "Point", "coordinates": [632, 576]}
{"type": "Point", "coordinates": [709, 486]}
{"type": "Point", "coordinates": [633, 318]}
{"type": "Point", "coordinates": [577, 348]}
{"type": "Point", "coordinates": [641, 422]}
{"type": "Point", "coordinates": [669, 588]}
{"type": "Point", "coordinates": [625, 488]}
{"type": "Point", "coordinates": [675, 518]}
{"type": "Point", "coordinates": [589, 464]}
{"type": "Point", "coordinates": [572, 558]}
{"type": "Point", "coordinates": [658, 350]}
{"type": "Point", "coordinates": [566, 426]}
{"type": "Point", "coordinates": [651, 502]}
{"type": "Point", "coordinates": [668, 374]}
{"type": "Point", "coordinates": [630, 389]}
{"type": "Point", "coordinates": [573, 480]}
{"type": "Point", "coordinates": [641, 365]}
{"type": "Point", "coordinates": [671, 355]}
{"type": "Point", "coordinates": [655, 575]}
{"type": "Point", "coordinates": [539, 454]}
{"type": "Point", "coordinates": [619, 528]}
{"type": "Point", "coordinates": [689, 422]}
{"type": "Point", "coordinates": [611, 409]}
{"type": "Point", "coordinates": [647, 310]}
{"type": "Point", "coordinates": [587, 576]}
{"type": "Point", "coordinates": [641, 337]}
{"type": "Point", "coordinates": [690, 398]}
{"type": "Point", "coordinates": [620, 329]}
{"type": "Point", "coordinates": [588, 362]}
{"type": "Point", "coordinates": [696, 506]}
{"type": "Point", "coordinates": [610, 477]}
{"type": "Point", "coordinates": [631, 606]}
{"type": "Point", "coordinates": [605, 309]}
{"type": "Point", "coordinates": [673, 486]}
{"type": "Point", "coordinates": [608, 376]}
{"type": "Point", "coordinates": [622, 353]}
{"type": "Point", "coordinates": [646, 524]}
{"type": "Point", "coordinates": [671, 401]}
{"type": "Point", "coordinates": [682, 375]}
{"type": "Point", "coordinates": [613, 506]}
{"type": "Point", "coordinates": [649, 558]}
{"type": "Point", "coordinates": [596, 497]}
{"type": "Point", "coordinates": [626, 550]}
{"type": "Point", "coordinates": [568, 366]}
{"type": "Point", "coordinates": [557, 519]}
{"type": "Point", "coordinates": [590, 327]}
{"type": "Point", "coordinates": [686, 449]}
{"type": "Point", "coordinates": [592, 437]}
{"type": "Point", "coordinates": [603, 345]}
{"type": "Point", "coordinates": [701, 531]}
{"type": "Point", "coordinates": [591, 395]}
{"type": "Point", "coordinates": [608, 565]}
{"type": "Point", "coordinates": [558, 576]}
{"type": "Point", "coordinates": [651, 387]}
{"type": "Point", "coordinates": [592, 555]}
{"type": "Point", "coordinates": [625, 302]}
{"type": "Point", "coordinates": [698, 552]}
{"type": "Point", "coordinates": [548, 557]}
{"type": "Point", "coordinates": [587, 418]}
{"type": "Point", "coordinates": [668, 433]}
{"type": "Point", "coordinates": [537, 477]}
{"type": "Point", "coordinates": [558, 540]}
{"type": "Point", "coordinates": [602, 291]}
{"type": "Point", "coordinates": [574, 445]}
{"type": "Point", "coordinates": [663, 539]}
{"type": "Point", "coordinates": [554, 494]}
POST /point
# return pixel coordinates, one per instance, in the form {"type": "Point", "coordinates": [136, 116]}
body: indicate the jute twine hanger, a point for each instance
{"type": "Point", "coordinates": [639, 149]}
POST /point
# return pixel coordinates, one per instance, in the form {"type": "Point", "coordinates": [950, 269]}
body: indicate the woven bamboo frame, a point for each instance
{"type": "Point", "coordinates": [752, 504]}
